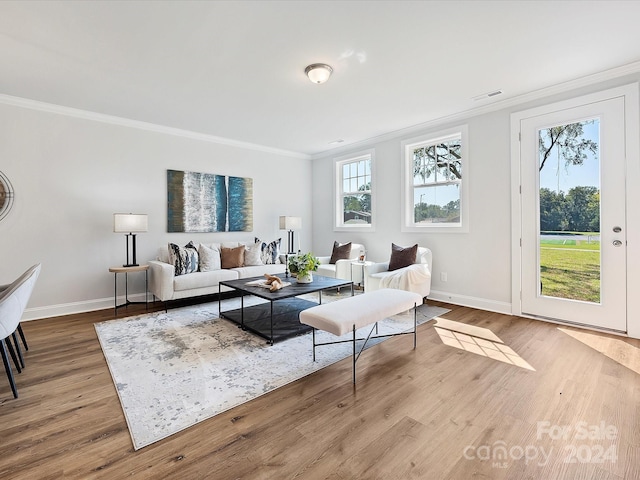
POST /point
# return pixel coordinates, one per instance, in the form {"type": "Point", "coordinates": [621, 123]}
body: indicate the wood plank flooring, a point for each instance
{"type": "Point", "coordinates": [437, 412]}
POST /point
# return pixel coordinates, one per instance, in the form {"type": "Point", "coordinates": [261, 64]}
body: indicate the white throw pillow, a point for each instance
{"type": "Point", "coordinates": [209, 258]}
{"type": "Point", "coordinates": [252, 254]}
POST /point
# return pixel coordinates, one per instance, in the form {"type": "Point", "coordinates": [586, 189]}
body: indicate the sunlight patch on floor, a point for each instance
{"type": "Point", "coordinates": [478, 340]}
{"type": "Point", "coordinates": [617, 349]}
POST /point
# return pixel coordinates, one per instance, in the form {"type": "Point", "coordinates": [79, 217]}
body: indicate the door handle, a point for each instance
{"type": "Point", "coordinates": [617, 243]}
{"type": "Point", "coordinates": [617, 229]}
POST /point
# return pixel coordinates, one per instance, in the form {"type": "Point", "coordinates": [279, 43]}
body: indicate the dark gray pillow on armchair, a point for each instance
{"type": "Point", "coordinates": [402, 257]}
{"type": "Point", "coordinates": [340, 252]}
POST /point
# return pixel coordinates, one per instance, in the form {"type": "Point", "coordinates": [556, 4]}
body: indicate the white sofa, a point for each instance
{"type": "Point", "coordinates": [342, 268]}
{"type": "Point", "coordinates": [414, 278]}
{"type": "Point", "coordinates": [166, 285]}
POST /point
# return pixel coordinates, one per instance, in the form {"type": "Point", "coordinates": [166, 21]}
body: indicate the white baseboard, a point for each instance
{"type": "Point", "coordinates": [78, 307]}
{"type": "Point", "coordinates": [474, 302]}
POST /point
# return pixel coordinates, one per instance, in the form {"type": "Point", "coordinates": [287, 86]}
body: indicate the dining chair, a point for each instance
{"type": "Point", "coordinates": [13, 301]}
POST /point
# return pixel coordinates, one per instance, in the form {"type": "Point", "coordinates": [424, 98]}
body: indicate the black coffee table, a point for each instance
{"type": "Point", "coordinates": [277, 319]}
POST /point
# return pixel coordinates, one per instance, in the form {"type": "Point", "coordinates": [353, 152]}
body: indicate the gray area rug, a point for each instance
{"type": "Point", "coordinates": [173, 370]}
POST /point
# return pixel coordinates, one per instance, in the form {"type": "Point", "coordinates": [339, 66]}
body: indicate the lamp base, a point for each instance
{"type": "Point", "coordinates": [286, 265]}
{"type": "Point", "coordinates": [133, 241]}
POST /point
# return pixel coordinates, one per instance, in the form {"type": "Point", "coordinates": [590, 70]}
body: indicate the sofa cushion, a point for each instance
{"type": "Point", "coordinates": [184, 259]}
{"type": "Point", "coordinates": [209, 258]}
{"type": "Point", "coordinates": [402, 256]}
{"type": "Point", "coordinates": [232, 257]}
{"type": "Point", "coordinates": [340, 252]}
{"type": "Point", "coordinates": [202, 279]}
{"type": "Point", "coordinates": [253, 254]}
{"type": "Point", "coordinates": [270, 251]}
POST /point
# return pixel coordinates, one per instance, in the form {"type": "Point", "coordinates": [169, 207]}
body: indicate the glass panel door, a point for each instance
{"type": "Point", "coordinates": [569, 203]}
{"type": "Point", "coordinates": [573, 215]}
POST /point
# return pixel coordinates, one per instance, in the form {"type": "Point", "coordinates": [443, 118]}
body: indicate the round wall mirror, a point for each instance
{"type": "Point", "coordinates": [6, 195]}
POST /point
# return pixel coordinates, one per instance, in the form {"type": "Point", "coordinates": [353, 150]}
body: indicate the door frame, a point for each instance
{"type": "Point", "coordinates": [631, 96]}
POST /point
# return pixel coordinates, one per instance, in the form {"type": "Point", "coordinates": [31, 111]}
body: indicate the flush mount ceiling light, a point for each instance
{"type": "Point", "coordinates": [318, 72]}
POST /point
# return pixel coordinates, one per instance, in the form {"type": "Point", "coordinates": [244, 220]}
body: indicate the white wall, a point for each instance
{"type": "Point", "coordinates": [477, 263]}
{"type": "Point", "coordinates": [71, 174]}
{"type": "Point", "coordinates": [467, 258]}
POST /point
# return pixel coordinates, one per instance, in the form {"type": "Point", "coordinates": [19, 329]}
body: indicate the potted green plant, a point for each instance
{"type": "Point", "coordinates": [302, 265]}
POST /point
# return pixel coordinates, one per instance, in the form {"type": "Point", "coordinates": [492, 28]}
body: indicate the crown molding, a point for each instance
{"type": "Point", "coordinates": [151, 127]}
{"type": "Point", "coordinates": [435, 123]}
{"type": "Point", "coordinates": [498, 105]}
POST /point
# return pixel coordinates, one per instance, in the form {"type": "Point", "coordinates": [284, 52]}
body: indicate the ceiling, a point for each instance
{"type": "Point", "coordinates": [236, 69]}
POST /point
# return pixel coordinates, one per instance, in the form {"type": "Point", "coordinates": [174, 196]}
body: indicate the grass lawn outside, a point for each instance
{"type": "Point", "coordinates": [570, 269]}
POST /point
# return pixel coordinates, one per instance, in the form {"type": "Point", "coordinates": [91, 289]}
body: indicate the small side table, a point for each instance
{"type": "Point", "coordinates": [127, 271]}
{"type": "Point", "coordinates": [360, 265]}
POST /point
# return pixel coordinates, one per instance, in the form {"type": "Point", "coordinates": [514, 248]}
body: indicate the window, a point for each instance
{"type": "Point", "coordinates": [435, 193]}
{"type": "Point", "coordinates": [354, 192]}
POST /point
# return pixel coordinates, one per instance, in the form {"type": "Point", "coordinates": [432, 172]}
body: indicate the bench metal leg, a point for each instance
{"type": "Point", "coordinates": [354, 355]}
{"type": "Point", "coordinates": [415, 325]}
{"type": "Point", "coordinates": [313, 332]}
{"type": "Point", "coordinates": [364, 345]}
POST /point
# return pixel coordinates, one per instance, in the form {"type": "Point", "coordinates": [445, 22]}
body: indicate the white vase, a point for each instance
{"type": "Point", "coordinates": [308, 278]}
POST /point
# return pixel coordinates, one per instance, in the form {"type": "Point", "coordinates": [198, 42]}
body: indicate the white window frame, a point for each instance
{"type": "Point", "coordinates": [408, 224]}
{"type": "Point", "coordinates": [338, 205]}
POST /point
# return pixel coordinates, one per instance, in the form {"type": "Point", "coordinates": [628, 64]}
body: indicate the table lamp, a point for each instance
{"type": "Point", "coordinates": [130, 224]}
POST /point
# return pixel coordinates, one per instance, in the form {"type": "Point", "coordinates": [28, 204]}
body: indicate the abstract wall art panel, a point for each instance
{"type": "Point", "coordinates": [205, 202]}
{"type": "Point", "coordinates": [240, 204]}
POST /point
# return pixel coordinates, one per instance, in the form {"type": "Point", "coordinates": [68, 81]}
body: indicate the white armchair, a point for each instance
{"type": "Point", "coordinates": [414, 278]}
{"type": "Point", "coordinates": [342, 268]}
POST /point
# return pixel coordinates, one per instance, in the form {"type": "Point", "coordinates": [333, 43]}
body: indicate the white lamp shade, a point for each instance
{"type": "Point", "coordinates": [129, 222]}
{"type": "Point", "coordinates": [318, 72]}
{"type": "Point", "coordinates": [290, 223]}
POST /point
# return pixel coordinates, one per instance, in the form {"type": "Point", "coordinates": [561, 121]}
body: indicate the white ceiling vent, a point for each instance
{"type": "Point", "coordinates": [491, 94]}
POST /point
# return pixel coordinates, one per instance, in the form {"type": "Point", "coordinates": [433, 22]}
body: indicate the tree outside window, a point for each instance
{"type": "Point", "coordinates": [435, 185]}
{"type": "Point", "coordinates": [354, 181]}
{"type": "Point", "coordinates": [437, 177]}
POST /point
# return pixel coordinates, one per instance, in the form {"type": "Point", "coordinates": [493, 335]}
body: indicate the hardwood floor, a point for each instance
{"type": "Point", "coordinates": [438, 412]}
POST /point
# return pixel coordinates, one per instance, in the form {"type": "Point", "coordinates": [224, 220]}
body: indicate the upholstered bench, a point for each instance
{"type": "Point", "coordinates": [351, 313]}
